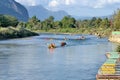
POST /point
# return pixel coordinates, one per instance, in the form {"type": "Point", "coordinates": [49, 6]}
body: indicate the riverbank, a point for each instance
{"type": "Point", "coordinates": [10, 33]}
{"type": "Point", "coordinates": [110, 69]}
{"type": "Point", "coordinates": [115, 37]}
{"type": "Point", "coordinates": [100, 32]}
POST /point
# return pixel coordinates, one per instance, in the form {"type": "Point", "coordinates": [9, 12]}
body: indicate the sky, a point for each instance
{"type": "Point", "coordinates": [77, 7]}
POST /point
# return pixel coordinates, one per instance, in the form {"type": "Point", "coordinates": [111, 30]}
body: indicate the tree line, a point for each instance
{"type": "Point", "coordinates": [67, 23]}
{"type": "Point", "coordinates": [70, 23]}
{"type": "Point", "coordinates": [9, 28]}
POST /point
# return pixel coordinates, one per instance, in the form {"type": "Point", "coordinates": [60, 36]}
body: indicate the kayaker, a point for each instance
{"type": "Point", "coordinates": [51, 46]}
{"type": "Point", "coordinates": [63, 43]}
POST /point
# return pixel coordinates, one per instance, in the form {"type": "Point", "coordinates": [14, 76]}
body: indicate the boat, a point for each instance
{"type": "Point", "coordinates": [110, 70]}
{"type": "Point", "coordinates": [81, 38]}
{"type": "Point", "coordinates": [63, 43]}
{"type": "Point", "coordinates": [52, 46]}
{"type": "Point", "coordinates": [112, 55]}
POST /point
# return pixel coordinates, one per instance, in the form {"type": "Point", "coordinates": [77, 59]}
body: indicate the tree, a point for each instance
{"type": "Point", "coordinates": [7, 20]}
{"type": "Point", "coordinates": [51, 19]}
{"type": "Point", "coordinates": [92, 22]}
{"type": "Point", "coordinates": [116, 18]}
{"type": "Point", "coordinates": [34, 20]}
{"type": "Point", "coordinates": [48, 23]}
{"type": "Point", "coordinates": [57, 24]}
{"type": "Point", "coordinates": [68, 22]}
{"type": "Point", "coordinates": [105, 23]}
{"type": "Point", "coordinates": [33, 23]}
{"type": "Point", "coordinates": [98, 22]}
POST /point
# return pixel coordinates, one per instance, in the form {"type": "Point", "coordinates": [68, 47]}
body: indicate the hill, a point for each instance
{"type": "Point", "coordinates": [42, 13]}
{"type": "Point", "coordinates": [13, 8]}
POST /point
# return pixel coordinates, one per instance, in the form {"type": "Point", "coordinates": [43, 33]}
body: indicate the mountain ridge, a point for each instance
{"type": "Point", "coordinates": [42, 13]}
{"type": "Point", "coordinates": [13, 8]}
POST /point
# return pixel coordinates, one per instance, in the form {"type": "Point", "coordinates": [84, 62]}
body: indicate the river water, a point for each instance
{"type": "Point", "coordinates": [30, 58]}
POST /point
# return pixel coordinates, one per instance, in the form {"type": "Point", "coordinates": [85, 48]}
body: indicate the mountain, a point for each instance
{"type": "Point", "coordinates": [11, 7]}
{"type": "Point", "coordinates": [90, 17]}
{"type": "Point", "coordinates": [42, 13]}
{"type": "Point", "coordinates": [82, 17]}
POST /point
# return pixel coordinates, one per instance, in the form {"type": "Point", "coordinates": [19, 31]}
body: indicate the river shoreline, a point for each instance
{"type": "Point", "coordinates": [115, 37]}
{"type": "Point", "coordinates": [102, 32]}
{"type": "Point", "coordinates": [12, 33]}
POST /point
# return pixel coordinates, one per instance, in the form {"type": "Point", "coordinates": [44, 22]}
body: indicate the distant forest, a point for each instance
{"type": "Point", "coordinates": [68, 24]}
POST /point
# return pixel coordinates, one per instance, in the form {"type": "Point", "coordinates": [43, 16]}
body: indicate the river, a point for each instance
{"type": "Point", "coordinates": [30, 58]}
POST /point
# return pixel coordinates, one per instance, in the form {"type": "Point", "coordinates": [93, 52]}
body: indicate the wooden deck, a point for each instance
{"type": "Point", "coordinates": [107, 77]}
{"type": "Point", "coordinates": [110, 70]}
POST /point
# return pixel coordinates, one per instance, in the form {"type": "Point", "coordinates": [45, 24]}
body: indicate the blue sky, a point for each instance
{"type": "Point", "coordinates": [77, 7]}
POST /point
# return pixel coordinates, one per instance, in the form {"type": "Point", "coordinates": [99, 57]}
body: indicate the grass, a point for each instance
{"type": "Point", "coordinates": [104, 32]}
{"type": "Point", "coordinates": [10, 32]}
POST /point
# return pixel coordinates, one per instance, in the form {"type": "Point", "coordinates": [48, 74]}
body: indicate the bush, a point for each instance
{"type": "Point", "coordinates": [8, 33]}
{"type": "Point", "coordinates": [6, 20]}
{"type": "Point", "coordinates": [118, 48]}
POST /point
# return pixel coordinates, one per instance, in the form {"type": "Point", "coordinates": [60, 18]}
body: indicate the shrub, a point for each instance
{"type": "Point", "coordinates": [118, 48]}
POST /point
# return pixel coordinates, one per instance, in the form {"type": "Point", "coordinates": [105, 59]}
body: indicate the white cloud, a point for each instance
{"type": "Point", "coordinates": [99, 4]}
{"type": "Point", "coordinates": [113, 1]}
{"type": "Point", "coordinates": [56, 3]}
{"type": "Point", "coordinates": [28, 2]}
{"type": "Point", "coordinates": [53, 3]}
{"type": "Point", "coordinates": [75, 6]}
{"type": "Point", "coordinates": [103, 3]}
{"type": "Point", "coordinates": [69, 2]}
{"type": "Point", "coordinates": [84, 2]}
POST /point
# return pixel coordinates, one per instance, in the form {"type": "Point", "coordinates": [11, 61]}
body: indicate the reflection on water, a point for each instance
{"type": "Point", "coordinates": [30, 59]}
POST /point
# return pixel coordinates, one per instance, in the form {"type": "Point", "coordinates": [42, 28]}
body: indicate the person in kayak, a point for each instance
{"type": "Point", "coordinates": [63, 43]}
{"type": "Point", "coordinates": [52, 45]}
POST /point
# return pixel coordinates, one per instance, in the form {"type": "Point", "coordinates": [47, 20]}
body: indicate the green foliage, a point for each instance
{"type": "Point", "coordinates": [116, 20]}
{"type": "Point", "coordinates": [6, 33]}
{"type": "Point", "coordinates": [6, 20]}
{"type": "Point", "coordinates": [69, 25]}
{"type": "Point", "coordinates": [118, 48]}
{"type": "Point", "coordinates": [92, 22]}
{"type": "Point", "coordinates": [68, 22]}
{"type": "Point", "coordinates": [105, 23]}
{"type": "Point", "coordinates": [99, 26]}
{"type": "Point", "coordinates": [33, 24]}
